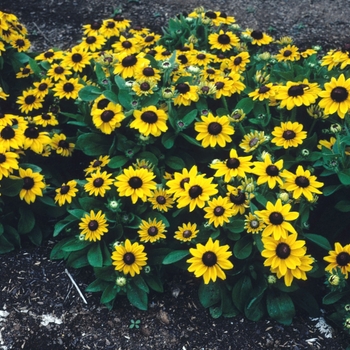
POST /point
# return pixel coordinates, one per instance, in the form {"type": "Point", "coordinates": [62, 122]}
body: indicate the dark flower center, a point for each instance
{"type": "Point", "coordinates": [161, 200]}
{"type": "Point", "coordinates": [209, 259]}
{"type": "Point", "coordinates": [254, 223]}
{"type": "Point", "coordinates": [30, 99]}
{"type": "Point", "coordinates": [149, 38]}
{"type": "Point", "coordinates": [214, 128]}
{"type": "Point", "coordinates": [343, 259]}
{"type": "Point", "coordinates": [219, 211]}
{"type": "Point", "coordinates": [187, 234]}
{"type": "Point", "coordinates": [183, 181]}
{"type": "Point", "coordinates": [296, 90]}
{"type": "Point", "coordinates": [195, 191]}
{"type": "Point", "coordinates": [7, 133]}
{"type": "Point", "coordinates": [166, 53]}
{"type": "Point", "coordinates": [205, 89]}
{"type": "Point", "coordinates": [237, 61]}
{"type": "Point", "coordinates": [224, 39]}
{"type": "Point", "coordinates": [253, 142]}
{"type": "Point", "coordinates": [46, 116]}
{"type": "Point", "coordinates": [93, 225]}
{"type": "Point", "coordinates": [2, 158]}
{"type": "Point", "coordinates": [302, 181]}
{"type": "Point", "coordinates": [233, 163]}
{"type": "Point", "coordinates": [68, 87]}
{"type": "Point", "coordinates": [118, 17]}
{"type": "Point", "coordinates": [20, 42]}
{"type": "Point", "coordinates": [28, 183]}
{"type": "Point", "coordinates": [59, 70]}
{"type": "Point", "coordinates": [289, 135]}
{"type": "Point", "coordinates": [149, 117]}
{"type": "Point", "coordinates": [219, 85]}
{"type": "Point", "coordinates": [283, 250]}
{"type": "Point", "coordinates": [126, 44]}
{"type": "Point", "coordinates": [223, 15]}
{"type": "Point", "coordinates": [107, 116]}
{"type": "Point", "coordinates": [257, 34]}
{"type": "Point", "coordinates": [63, 144]}
{"type": "Point", "coordinates": [98, 182]}
{"type": "Point", "coordinates": [263, 89]}
{"type": "Point", "coordinates": [135, 182]}
{"type": "Point", "coordinates": [25, 71]}
{"type": "Point", "coordinates": [238, 199]}
{"type": "Point", "coordinates": [201, 56]}
{"type": "Point", "coordinates": [276, 218]}
{"type": "Point", "coordinates": [210, 14]}
{"type": "Point", "coordinates": [210, 71]}
{"type": "Point", "coordinates": [129, 258]}
{"type": "Point", "coordinates": [148, 72]}
{"type": "Point", "coordinates": [96, 163]}
{"type": "Point", "coordinates": [42, 87]}
{"type": "Point", "coordinates": [183, 59]}
{"type": "Point", "coordinates": [339, 94]}
{"type": "Point", "coordinates": [287, 53]}
{"type": "Point", "coordinates": [64, 189]}
{"type": "Point", "coordinates": [129, 61]}
{"type": "Point", "coordinates": [77, 57]}
{"type": "Point", "coordinates": [272, 170]}
{"type": "Point", "coordinates": [102, 104]}
{"type": "Point", "coordinates": [110, 25]}
{"type": "Point", "coordinates": [91, 39]}
{"type": "Point", "coordinates": [48, 54]}
{"type": "Point", "coordinates": [182, 88]}
{"type": "Point", "coordinates": [145, 86]}
{"type": "Point", "coordinates": [31, 132]}
{"type": "Point", "coordinates": [96, 25]}
{"type": "Point", "coordinates": [152, 231]}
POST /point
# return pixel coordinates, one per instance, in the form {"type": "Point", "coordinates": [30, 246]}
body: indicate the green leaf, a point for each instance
{"type": "Point", "coordinates": [190, 117]}
{"type": "Point", "coordinates": [111, 96]}
{"type": "Point", "coordinates": [75, 245]}
{"type": "Point", "coordinates": [5, 245]}
{"type": "Point", "coordinates": [109, 294]}
{"type": "Point", "coordinates": [246, 104]}
{"type": "Point", "coordinates": [12, 235]}
{"type": "Point", "coordinates": [168, 140]}
{"type": "Point", "coordinates": [154, 283]}
{"type": "Point", "coordinates": [61, 225]}
{"type": "Point", "coordinates": [140, 283]}
{"type": "Point", "coordinates": [327, 191]}
{"type": "Point", "coordinates": [94, 144]}
{"type": "Point", "coordinates": [175, 256]}
{"type": "Point", "coordinates": [117, 162]}
{"type": "Point", "coordinates": [306, 301]}
{"type": "Point", "coordinates": [209, 294]}
{"type": "Point", "coordinates": [215, 312]}
{"type": "Point", "coordinates": [35, 236]}
{"type": "Point", "coordinates": [147, 156]}
{"type": "Point", "coordinates": [77, 213]}
{"type": "Point", "coordinates": [57, 253]}
{"type": "Point", "coordinates": [343, 206]}
{"type": "Point", "coordinates": [94, 255]}
{"type": "Point", "coordinates": [334, 296]}
{"type": "Point", "coordinates": [77, 259]}
{"type": "Point", "coordinates": [243, 247]}
{"type": "Point", "coordinates": [280, 307]}
{"type": "Point", "coordinates": [190, 139]}
{"type": "Point", "coordinates": [89, 203]}
{"type": "Point", "coordinates": [26, 221]}
{"type": "Point", "coordinates": [89, 93]}
{"type": "Point", "coordinates": [11, 187]}
{"type": "Point", "coordinates": [125, 98]}
{"type": "Point", "coordinates": [344, 176]}
{"type": "Point", "coordinates": [236, 225]}
{"type": "Point", "coordinates": [137, 297]}
{"type": "Point", "coordinates": [175, 163]}
{"type": "Point", "coordinates": [96, 286]}
{"type": "Point", "coordinates": [321, 241]}
{"type": "Point", "coordinates": [35, 67]}
{"type": "Point", "coordinates": [241, 291]}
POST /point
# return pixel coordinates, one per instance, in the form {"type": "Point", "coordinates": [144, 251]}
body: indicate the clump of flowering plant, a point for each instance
{"type": "Point", "coordinates": [211, 149]}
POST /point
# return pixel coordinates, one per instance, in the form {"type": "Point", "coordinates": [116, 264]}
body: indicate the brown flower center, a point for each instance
{"type": "Point", "coordinates": [276, 218]}
{"type": "Point", "coordinates": [302, 181]}
{"type": "Point", "coordinates": [289, 135]}
{"type": "Point", "coordinates": [195, 191]}
{"type": "Point", "coordinates": [98, 182]}
{"type": "Point", "coordinates": [7, 133]}
{"type": "Point", "coordinates": [152, 231]}
{"type": "Point", "coordinates": [129, 61]}
{"type": "Point", "coordinates": [28, 183]}
{"type": "Point", "coordinates": [149, 117]}
{"type": "Point", "coordinates": [30, 99]}
{"type": "Point", "coordinates": [219, 211]}
{"type": "Point", "coordinates": [77, 57]}
{"type": "Point", "coordinates": [343, 259]}
{"type": "Point", "coordinates": [107, 116]}
{"type": "Point", "coordinates": [339, 94]}
{"type": "Point", "coordinates": [214, 128]}
{"type": "Point", "coordinates": [161, 200]}
{"type": "Point", "coordinates": [102, 104]}
{"type": "Point", "coordinates": [263, 89]}
{"type": "Point", "coordinates": [182, 88]}
{"type": "Point", "coordinates": [224, 39]}
{"type": "Point", "coordinates": [238, 199]}
{"type": "Point", "coordinates": [68, 87]}
{"type": "Point", "coordinates": [257, 34]}
{"type": "Point", "coordinates": [31, 132]}
{"type": "Point", "coordinates": [272, 170]}
{"type": "Point", "coordinates": [64, 189]}
{"type": "Point", "coordinates": [283, 250]}
{"type": "Point", "coordinates": [209, 259]}
{"type": "Point", "coordinates": [135, 182]}
{"type": "Point", "coordinates": [187, 234]}
{"type": "Point", "coordinates": [91, 39]}
{"type": "Point", "coordinates": [129, 258]}
{"type": "Point", "coordinates": [233, 163]}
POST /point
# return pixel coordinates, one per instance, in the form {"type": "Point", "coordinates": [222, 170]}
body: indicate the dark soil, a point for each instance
{"type": "Point", "coordinates": [33, 288]}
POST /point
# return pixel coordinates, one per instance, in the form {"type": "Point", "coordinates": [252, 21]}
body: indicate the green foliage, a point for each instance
{"type": "Point", "coordinates": [160, 162]}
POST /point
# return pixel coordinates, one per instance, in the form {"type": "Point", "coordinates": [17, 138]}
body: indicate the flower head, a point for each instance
{"type": "Point", "coordinates": [93, 226]}
{"type": "Point", "coordinates": [151, 230]}
{"type": "Point", "coordinates": [339, 258]}
{"type": "Point", "coordinates": [288, 135]}
{"type": "Point", "coordinates": [210, 260]}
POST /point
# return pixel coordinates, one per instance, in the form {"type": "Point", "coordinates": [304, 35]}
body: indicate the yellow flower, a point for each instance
{"type": "Point", "coordinates": [186, 232]}
{"type": "Point", "coordinates": [214, 130]}
{"type": "Point", "coordinates": [339, 258]}
{"type": "Point", "coordinates": [98, 183]}
{"type": "Point", "coordinates": [66, 192]}
{"type": "Point", "coordinates": [276, 217]}
{"type": "Point", "coordinates": [289, 134]}
{"type": "Point", "coordinates": [219, 211]}
{"type": "Point", "coordinates": [151, 230]}
{"type": "Point", "coordinates": [210, 260]}
{"type": "Point", "coordinates": [93, 226]}
{"type": "Point", "coordinates": [33, 185]}
{"type": "Point", "coordinates": [129, 258]}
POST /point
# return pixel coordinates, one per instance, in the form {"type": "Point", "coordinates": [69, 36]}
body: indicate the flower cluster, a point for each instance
{"type": "Point", "coordinates": [210, 148]}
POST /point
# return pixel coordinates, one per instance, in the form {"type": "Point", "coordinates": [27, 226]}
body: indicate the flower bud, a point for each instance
{"type": "Point", "coordinates": [120, 281]}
